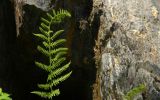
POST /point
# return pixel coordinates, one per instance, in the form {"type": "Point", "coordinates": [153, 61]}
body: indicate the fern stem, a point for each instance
{"type": "Point", "coordinates": [50, 55]}
{"type": "Point", "coordinates": [49, 37]}
{"type": "Point", "coordinates": [50, 64]}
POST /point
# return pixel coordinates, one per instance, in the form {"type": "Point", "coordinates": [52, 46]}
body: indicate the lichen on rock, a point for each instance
{"type": "Point", "coordinates": [130, 55]}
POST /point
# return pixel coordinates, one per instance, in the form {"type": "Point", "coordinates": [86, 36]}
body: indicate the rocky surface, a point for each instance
{"type": "Point", "coordinates": [128, 47]}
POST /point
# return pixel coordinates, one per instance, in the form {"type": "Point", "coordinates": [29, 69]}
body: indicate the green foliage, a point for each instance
{"type": "Point", "coordinates": [4, 96]}
{"type": "Point", "coordinates": [135, 91]}
{"type": "Point", "coordinates": [54, 50]}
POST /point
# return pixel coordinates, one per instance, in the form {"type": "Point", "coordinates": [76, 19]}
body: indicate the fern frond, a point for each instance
{"type": "Point", "coordinates": [54, 12]}
{"type": "Point", "coordinates": [43, 31]}
{"type": "Point", "coordinates": [42, 66]}
{"type": "Point", "coordinates": [55, 52]}
{"type": "Point", "coordinates": [56, 63]}
{"type": "Point", "coordinates": [46, 44]}
{"type": "Point", "coordinates": [44, 26]}
{"type": "Point", "coordinates": [60, 15]}
{"type": "Point", "coordinates": [41, 36]}
{"type": "Point", "coordinates": [47, 95]}
{"type": "Point", "coordinates": [42, 50]}
{"type": "Point", "coordinates": [58, 42]}
{"type": "Point", "coordinates": [4, 96]}
{"type": "Point", "coordinates": [49, 32]}
{"type": "Point", "coordinates": [55, 35]}
{"type": "Point", "coordinates": [58, 55]}
{"type": "Point", "coordinates": [57, 72]}
{"type": "Point", "coordinates": [44, 86]}
{"type": "Point", "coordinates": [61, 79]}
{"type": "Point", "coordinates": [59, 50]}
{"type": "Point", "coordinates": [45, 21]}
{"type": "Point", "coordinates": [49, 16]}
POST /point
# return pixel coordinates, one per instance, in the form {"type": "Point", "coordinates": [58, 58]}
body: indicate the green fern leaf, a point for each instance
{"type": "Point", "coordinates": [42, 66]}
{"type": "Point", "coordinates": [43, 31]}
{"type": "Point", "coordinates": [47, 95]}
{"type": "Point", "coordinates": [56, 63]}
{"type": "Point", "coordinates": [49, 32]}
{"type": "Point", "coordinates": [59, 50]}
{"type": "Point", "coordinates": [57, 72]}
{"type": "Point", "coordinates": [45, 86]}
{"type": "Point", "coordinates": [46, 44]}
{"type": "Point", "coordinates": [44, 26]}
{"type": "Point", "coordinates": [58, 42]}
{"type": "Point", "coordinates": [41, 36]}
{"type": "Point", "coordinates": [60, 16]}
{"type": "Point", "coordinates": [42, 50]}
{"type": "Point", "coordinates": [55, 35]}
{"type": "Point", "coordinates": [4, 96]}
{"type": "Point", "coordinates": [58, 55]}
{"type": "Point", "coordinates": [55, 51]}
{"type": "Point", "coordinates": [54, 12]}
{"type": "Point", "coordinates": [49, 16]}
{"type": "Point", "coordinates": [45, 21]}
{"type": "Point", "coordinates": [61, 79]}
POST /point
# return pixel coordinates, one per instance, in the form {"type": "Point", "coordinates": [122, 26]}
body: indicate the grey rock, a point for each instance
{"type": "Point", "coordinates": [43, 4]}
{"type": "Point", "coordinates": [134, 56]}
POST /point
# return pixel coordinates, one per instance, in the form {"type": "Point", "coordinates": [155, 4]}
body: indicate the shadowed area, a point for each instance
{"type": "Point", "coordinates": [19, 75]}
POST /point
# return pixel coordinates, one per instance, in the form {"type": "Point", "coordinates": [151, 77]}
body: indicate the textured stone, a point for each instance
{"type": "Point", "coordinates": [43, 4]}
{"type": "Point", "coordinates": [128, 47]}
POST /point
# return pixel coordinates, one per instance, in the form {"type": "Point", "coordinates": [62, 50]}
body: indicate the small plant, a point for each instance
{"type": "Point", "coordinates": [135, 91]}
{"type": "Point", "coordinates": [4, 96]}
{"type": "Point", "coordinates": [55, 51]}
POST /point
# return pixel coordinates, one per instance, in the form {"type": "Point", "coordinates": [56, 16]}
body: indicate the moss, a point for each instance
{"type": "Point", "coordinates": [135, 91]}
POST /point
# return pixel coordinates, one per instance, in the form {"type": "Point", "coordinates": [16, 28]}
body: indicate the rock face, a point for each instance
{"type": "Point", "coordinates": [127, 48]}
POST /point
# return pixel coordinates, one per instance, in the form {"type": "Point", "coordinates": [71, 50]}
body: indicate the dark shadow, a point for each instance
{"type": "Point", "coordinates": [80, 85]}
{"type": "Point", "coordinates": [19, 75]}
{"type": "Point", "coordinates": [27, 74]}
{"type": "Point", "coordinates": [7, 45]}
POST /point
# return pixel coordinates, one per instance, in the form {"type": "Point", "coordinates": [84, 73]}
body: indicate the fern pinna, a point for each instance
{"type": "Point", "coordinates": [53, 49]}
{"type": "Point", "coordinates": [4, 96]}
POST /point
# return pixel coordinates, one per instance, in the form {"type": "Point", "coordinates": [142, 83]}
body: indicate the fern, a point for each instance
{"type": "Point", "coordinates": [55, 52]}
{"type": "Point", "coordinates": [135, 91]}
{"type": "Point", "coordinates": [4, 96]}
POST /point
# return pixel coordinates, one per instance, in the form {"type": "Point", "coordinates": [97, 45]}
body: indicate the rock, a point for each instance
{"type": "Point", "coordinates": [43, 4]}
{"type": "Point", "coordinates": [127, 47]}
